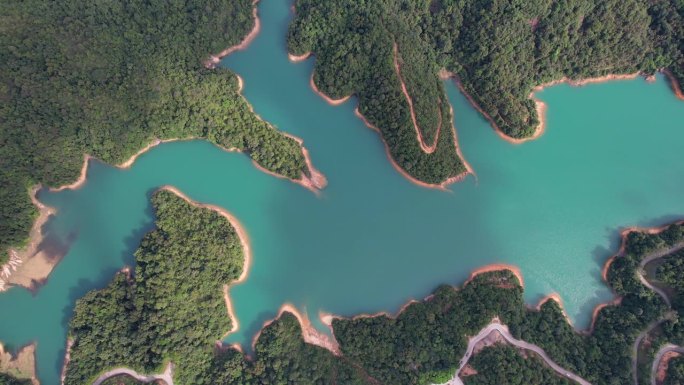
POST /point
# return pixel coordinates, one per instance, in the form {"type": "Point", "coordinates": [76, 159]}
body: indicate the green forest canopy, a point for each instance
{"type": "Point", "coordinates": [504, 365]}
{"type": "Point", "coordinates": [498, 49]}
{"type": "Point", "coordinates": [106, 78]}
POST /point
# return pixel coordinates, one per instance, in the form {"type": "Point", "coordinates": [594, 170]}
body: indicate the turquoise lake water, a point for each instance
{"type": "Point", "coordinates": [611, 158]}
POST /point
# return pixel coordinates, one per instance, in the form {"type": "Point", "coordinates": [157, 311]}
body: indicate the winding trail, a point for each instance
{"type": "Point", "coordinates": [503, 330]}
{"type": "Point", "coordinates": [668, 316]}
{"type": "Point", "coordinates": [659, 357]}
{"type": "Point", "coordinates": [167, 376]}
{"type": "Point", "coordinates": [428, 149]}
{"type": "Point", "coordinates": [651, 257]}
{"type": "Point", "coordinates": [637, 343]}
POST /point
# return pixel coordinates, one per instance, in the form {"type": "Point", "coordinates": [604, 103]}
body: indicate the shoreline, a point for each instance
{"type": "Point", "coordinates": [624, 233]}
{"type": "Point", "coordinates": [18, 270]}
{"type": "Point", "coordinates": [214, 60]}
{"type": "Point", "coordinates": [428, 149]}
{"type": "Point", "coordinates": [298, 58]}
{"type": "Point", "coordinates": [67, 359]}
{"type": "Point", "coordinates": [21, 365]}
{"type": "Point", "coordinates": [327, 318]}
{"type": "Point", "coordinates": [679, 93]}
{"type": "Point", "coordinates": [246, 249]}
{"type": "Point", "coordinates": [328, 99]}
{"type": "Point", "coordinates": [309, 334]}
{"type": "Point", "coordinates": [496, 267]}
{"type": "Point", "coordinates": [557, 298]}
{"type": "Point", "coordinates": [541, 107]}
{"type": "Point", "coordinates": [442, 186]}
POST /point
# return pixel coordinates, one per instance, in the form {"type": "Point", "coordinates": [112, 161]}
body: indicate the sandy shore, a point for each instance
{"type": "Point", "coordinates": [309, 333]}
{"type": "Point", "coordinates": [442, 186]}
{"type": "Point", "coordinates": [428, 149]}
{"type": "Point", "coordinates": [623, 242]}
{"type": "Point", "coordinates": [674, 85]}
{"type": "Point", "coordinates": [214, 60]}
{"type": "Point", "coordinates": [331, 101]}
{"type": "Point", "coordinates": [621, 251]}
{"type": "Point", "coordinates": [244, 240]}
{"type": "Point", "coordinates": [327, 318]}
{"type": "Point", "coordinates": [67, 359]}
{"type": "Point", "coordinates": [31, 265]}
{"type": "Point", "coordinates": [540, 106]}
{"type": "Point", "coordinates": [22, 365]}
{"type": "Point", "coordinates": [497, 267]}
{"type": "Point", "coordinates": [78, 182]}
{"type": "Point", "coordinates": [557, 298]}
{"type": "Point", "coordinates": [298, 58]}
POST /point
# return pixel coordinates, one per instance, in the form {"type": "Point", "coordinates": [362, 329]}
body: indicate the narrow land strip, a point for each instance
{"type": "Point", "coordinates": [428, 149]}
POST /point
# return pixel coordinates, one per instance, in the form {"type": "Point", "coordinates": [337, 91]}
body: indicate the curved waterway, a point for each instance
{"type": "Point", "coordinates": [611, 157]}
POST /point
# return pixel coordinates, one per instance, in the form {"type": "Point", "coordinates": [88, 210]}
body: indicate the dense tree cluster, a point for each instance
{"type": "Point", "coordinates": [498, 49]}
{"type": "Point", "coordinates": [504, 365]}
{"type": "Point", "coordinates": [282, 357]}
{"type": "Point", "coordinates": [675, 372]}
{"type": "Point", "coordinates": [671, 273]}
{"type": "Point", "coordinates": [425, 342]}
{"type": "Point", "coordinates": [106, 78]}
{"type": "Point", "coordinates": [171, 309]}
{"type": "Point", "coordinates": [6, 379]}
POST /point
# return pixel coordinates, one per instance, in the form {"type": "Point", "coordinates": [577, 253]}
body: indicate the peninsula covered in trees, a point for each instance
{"type": "Point", "coordinates": [391, 55]}
{"type": "Point", "coordinates": [108, 78]}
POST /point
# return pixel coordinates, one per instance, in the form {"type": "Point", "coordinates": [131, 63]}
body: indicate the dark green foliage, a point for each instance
{"type": "Point", "coordinates": [282, 357]}
{"type": "Point", "coordinates": [105, 78]}
{"type": "Point", "coordinates": [504, 365]}
{"type": "Point", "coordinates": [6, 379]}
{"type": "Point", "coordinates": [671, 273]}
{"type": "Point", "coordinates": [353, 42]}
{"type": "Point", "coordinates": [675, 372]}
{"type": "Point", "coordinates": [171, 309]}
{"type": "Point", "coordinates": [499, 49]}
{"type": "Point", "coordinates": [427, 340]}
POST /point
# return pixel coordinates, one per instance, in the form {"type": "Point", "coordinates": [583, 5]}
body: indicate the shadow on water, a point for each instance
{"type": "Point", "coordinates": [53, 248]}
{"type": "Point", "coordinates": [105, 275]}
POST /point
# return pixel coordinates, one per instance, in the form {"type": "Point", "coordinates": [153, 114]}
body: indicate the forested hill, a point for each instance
{"type": "Point", "coordinates": [107, 77]}
{"type": "Point", "coordinates": [499, 49]}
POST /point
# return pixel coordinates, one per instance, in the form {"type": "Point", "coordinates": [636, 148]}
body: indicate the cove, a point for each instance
{"type": "Point", "coordinates": [610, 158]}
